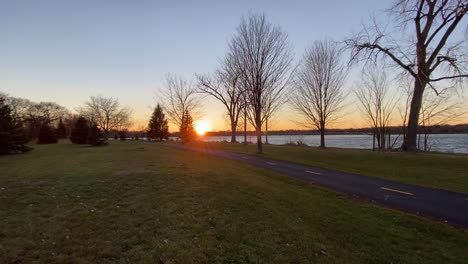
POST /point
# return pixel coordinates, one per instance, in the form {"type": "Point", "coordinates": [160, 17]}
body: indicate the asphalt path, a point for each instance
{"type": "Point", "coordinates": [437, 204]}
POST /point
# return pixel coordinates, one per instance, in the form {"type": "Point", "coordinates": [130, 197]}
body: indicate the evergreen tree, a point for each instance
{"type": "Point", "coordinates": [158, 127]}
{"type": "Point", "coordinates": [187, 131]}
{"type": "Point", "coordinates": [79, 134]}
{"type": "Point", "coordinates": [61, 131]}
{"type": "Point", "coordinates": [12, 136]}
{"type": "Point", "coordinates": [95, 136]}
{"type": "Point", "coordinates": [46, 135]}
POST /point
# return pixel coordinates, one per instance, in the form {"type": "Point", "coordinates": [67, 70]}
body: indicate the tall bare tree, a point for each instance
{"type": "Point", "coordinates": [19, 107]}
{"type": "Point", "coordinates": [319, 93]}
{"type": "Point", "coordinates": [178, 96]}
{"type": "Point", "coordinates": [107, 113]}
{"type": "Point", "coordinates": [435, 110]}
{"type": "Point", "coordinates": [421, 46]}
{"type": "Point", "coordinates": [226, 87]}
{"type": "Point", "coordinates": [377, 103]}
{"type": "Point", "coordinates": [263, 56]}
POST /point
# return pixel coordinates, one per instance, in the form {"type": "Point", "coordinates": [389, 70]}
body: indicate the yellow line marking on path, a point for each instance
{"type": "Point", "coordinates": [271, 163]}
{"type": "Point", "coordinates": [398, 191]}
{"type": "Point", "coordinates": [313, 172]}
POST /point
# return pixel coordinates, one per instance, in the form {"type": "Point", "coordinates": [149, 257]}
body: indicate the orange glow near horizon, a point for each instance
{"type": "Point", "coordinates": [202, 127]}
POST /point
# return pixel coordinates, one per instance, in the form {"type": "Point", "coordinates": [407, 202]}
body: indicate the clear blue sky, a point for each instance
{"type": "Point", "coordinates": [66, 50]}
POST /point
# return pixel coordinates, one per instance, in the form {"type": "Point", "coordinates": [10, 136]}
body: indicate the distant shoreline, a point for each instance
{"type": "Point", "coordinates": [437, 129]}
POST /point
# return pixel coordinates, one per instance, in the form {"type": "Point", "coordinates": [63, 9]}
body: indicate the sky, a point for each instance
{"type": "Point", "coordinates": [67, 50]}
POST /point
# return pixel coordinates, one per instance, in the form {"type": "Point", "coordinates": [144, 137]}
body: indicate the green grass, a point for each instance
{"type": "Point", "coordinates": [442, 171]}
{"type": "Point", "coordinates": [133, 202]}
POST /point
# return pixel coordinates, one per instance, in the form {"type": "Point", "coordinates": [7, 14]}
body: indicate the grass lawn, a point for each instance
{"type": "Point", "coordinates": [135, 202]}
{"type": "Point", "coordinates": [442, 171]}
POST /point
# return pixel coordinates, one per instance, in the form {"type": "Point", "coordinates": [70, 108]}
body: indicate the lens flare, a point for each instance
{"type": "Point", "coordinates": [202, 127]}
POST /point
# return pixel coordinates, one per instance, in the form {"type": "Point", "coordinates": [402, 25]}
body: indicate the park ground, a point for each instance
{"type": "Point", "coordinates": [137, 202]}
{"type": "Point", "coordinates": [436, 170]}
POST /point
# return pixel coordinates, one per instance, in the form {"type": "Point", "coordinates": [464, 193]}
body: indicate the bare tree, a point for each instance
{"type": "Point", "coordinates": [319, 94]}
{"type": "Point", "coordinates": [107, 113]}
{"type": "Point", "coordinates": [46, 112]}
{"type": "Point", "coordinates": [178, 96]}
{"type": "Point", "coordinates": [263, 56]}
{"type": "Point", "coordinates": [273, 101]}
{"type": "Point", "coordinates": [377, 104]}
{"type": "Point", "coordinates": [225, 86]}
{"type": "Point", "coordinates": [19, 107]}
{"type": "Point", "coordinates": [424, 50]}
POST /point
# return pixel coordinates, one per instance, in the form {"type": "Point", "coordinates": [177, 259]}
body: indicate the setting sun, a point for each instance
{"type": "Point", "coordinates": [202, 127]}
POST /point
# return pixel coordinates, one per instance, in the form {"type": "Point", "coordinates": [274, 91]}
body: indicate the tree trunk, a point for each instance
{"type": "Point", "coordinates": [258, 131]}
{"type": "Point", "coordinates": [373, 141]}
{"type": "Point", "coordinates": [245, 126]}
{"type": "Point", "coordinates": [379, 143]}
{"type": "Point", "coordinates": [322, 138]}
{"type": "Point", "coordinates": [233, 132]}
{"type": "Point", "coordinates": [412, 130]}
{"type": "Point", "coordinates": [388, 141]}
{"type": "Point", "coordinates": [266, 131]}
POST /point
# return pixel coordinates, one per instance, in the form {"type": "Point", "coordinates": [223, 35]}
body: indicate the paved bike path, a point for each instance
{"type": "Point", "coordinates": [447, 206]}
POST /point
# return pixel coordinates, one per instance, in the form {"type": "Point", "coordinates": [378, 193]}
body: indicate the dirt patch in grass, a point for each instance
{"type": "Point", "coordinates": [132, 171]}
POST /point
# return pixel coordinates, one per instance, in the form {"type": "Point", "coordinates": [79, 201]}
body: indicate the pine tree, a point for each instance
{"type": "Point", "coordinates": [12, 136]}
{"type": "Point", "coordinates": [187, 131]}
{"type": "Point", "coordinates": [79, 134]}
{"type": "Point", "coordinates": [95, 136]}
{"type": "Point", "coordinates": [46, 135]}
{"type": "Point", "coordinates": [158, 127]}
{"type": "Point", "coordinates": [61, 131]}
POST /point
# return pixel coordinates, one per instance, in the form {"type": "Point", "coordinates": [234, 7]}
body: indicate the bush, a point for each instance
{"type": "Point", "coordinates": [79, 134]}
{"type": "Point", "coordinates": [46, 135]}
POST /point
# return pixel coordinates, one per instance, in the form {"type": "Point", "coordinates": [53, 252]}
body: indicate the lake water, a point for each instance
{"type": "Point", "coordinates": [448, 143]}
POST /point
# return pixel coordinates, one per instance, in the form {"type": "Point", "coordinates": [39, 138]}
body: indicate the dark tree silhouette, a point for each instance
{"type": "Point", "coordinates": [95, 136]}
{"type": "Point", "coordinates": [43, 113]}
{"type": "Point", "coordinates": [177, 96]}
{"type": "Point", "coordinates": [262, 55]}
{"type": "Point", "coordinates": [421, 46]}
{"type": "Point", "coordinates": [107, 113]}
{"type": "Point", "coordinates": [187, 131]}
{"type": "Point", "coordinates": [225, 86]}
{"type": "Point", "coordinates": [319, 95]}
{"type": "Point", "coordinates": [79, 134]}
{"type": "Point", "coordinates": [61, 130]}
{"type": "Point", "coordinates": [12, 136]}
{"type": "Point", "coordinates": [122, 135]}
{"type": "Point", "coordinates": [46, 135]}
{"type": "Point", "coordinates": [158, 127]}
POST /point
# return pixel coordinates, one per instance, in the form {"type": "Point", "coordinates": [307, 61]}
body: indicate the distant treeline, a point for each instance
{"type": "Point", "coordinates": [436, 129]}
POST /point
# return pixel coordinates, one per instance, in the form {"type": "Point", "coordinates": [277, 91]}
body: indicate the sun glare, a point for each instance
{"type": "Point", "coordinates": [202, 127]}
